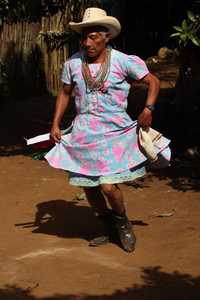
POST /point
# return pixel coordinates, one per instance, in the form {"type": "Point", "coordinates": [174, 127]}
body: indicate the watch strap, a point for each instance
{"type": "Point", "coordinates": [151, 107]}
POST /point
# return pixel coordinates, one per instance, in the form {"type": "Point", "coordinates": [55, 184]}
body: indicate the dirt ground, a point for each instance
{"type": "Point", "coordinates": [51, 260]}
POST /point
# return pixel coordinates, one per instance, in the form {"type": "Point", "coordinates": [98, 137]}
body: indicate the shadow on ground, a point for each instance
{"type": "Point", "coordinates": [67, 219]}
{"type": "Point", "coordinates": [157, 285]}
{"type": "Point", "coordinates": [183, 175]}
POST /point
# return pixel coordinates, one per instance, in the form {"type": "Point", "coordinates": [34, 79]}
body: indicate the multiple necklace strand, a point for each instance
{"type": "Point", "coordinates": [95, 84]}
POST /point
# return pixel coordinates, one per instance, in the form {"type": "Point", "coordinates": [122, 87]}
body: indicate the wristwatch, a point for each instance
{"type": "Point", "coordinates": [151, 107]}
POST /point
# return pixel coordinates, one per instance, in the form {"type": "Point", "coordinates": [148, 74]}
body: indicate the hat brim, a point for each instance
{"type": "Point", "coordinates": [111, 23]}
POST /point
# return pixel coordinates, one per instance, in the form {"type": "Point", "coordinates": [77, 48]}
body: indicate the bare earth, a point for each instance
{"type": "Point", "coordinates": [51, 260]}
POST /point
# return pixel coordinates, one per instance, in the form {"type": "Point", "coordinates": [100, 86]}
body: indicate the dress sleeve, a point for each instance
{"type": "Point", "coordinates": [136, 67]}
{"type": "Point", "coordinates": [66, 73]}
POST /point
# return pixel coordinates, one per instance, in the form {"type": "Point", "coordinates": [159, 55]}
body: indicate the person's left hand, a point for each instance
{"type": "Point", "coordinates": [145, 118]}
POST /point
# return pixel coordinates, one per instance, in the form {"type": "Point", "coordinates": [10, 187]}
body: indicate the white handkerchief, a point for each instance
{"type": "Point", "coordinates": [149, 141]}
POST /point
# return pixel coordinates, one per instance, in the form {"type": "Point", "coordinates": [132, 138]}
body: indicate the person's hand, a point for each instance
{"type": "Point", "coordinates": [55, 134]}
{"type": "Point", "coordinates": [145, 118]}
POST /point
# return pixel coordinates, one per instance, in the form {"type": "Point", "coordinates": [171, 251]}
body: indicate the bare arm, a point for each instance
{"type": "Point", "coordinates": [145, 118]}
{"type": "Point", "coordinates": [62, 102]}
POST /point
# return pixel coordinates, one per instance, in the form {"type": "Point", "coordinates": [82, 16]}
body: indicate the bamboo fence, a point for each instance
{"type": "Point", "coordinates": [23, 37]}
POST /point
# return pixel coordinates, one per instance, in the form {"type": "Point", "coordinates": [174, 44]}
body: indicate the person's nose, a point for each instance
{"type": "Point", "coordinates": [87, 43]}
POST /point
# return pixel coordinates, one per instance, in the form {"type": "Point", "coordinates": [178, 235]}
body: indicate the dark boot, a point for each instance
{"type": "Point", "coordinates": [124, 229]}
{"type": "Point", "coordinates": [106, 236]}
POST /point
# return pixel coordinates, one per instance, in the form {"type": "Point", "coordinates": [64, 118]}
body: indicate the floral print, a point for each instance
{"type": "Point", "coordinates": [103, 140]}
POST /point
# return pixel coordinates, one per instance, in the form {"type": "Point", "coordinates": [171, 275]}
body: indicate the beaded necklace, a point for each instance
{"type": "Point", "coordinates": [95, 84]}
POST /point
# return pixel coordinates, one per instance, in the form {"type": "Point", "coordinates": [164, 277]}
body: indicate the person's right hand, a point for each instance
{"type": "Point", "coordinates": [55, 134]}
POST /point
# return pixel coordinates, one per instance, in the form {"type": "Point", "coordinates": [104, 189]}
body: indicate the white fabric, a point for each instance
{"type": "Point", "coordinates": [150, 140]}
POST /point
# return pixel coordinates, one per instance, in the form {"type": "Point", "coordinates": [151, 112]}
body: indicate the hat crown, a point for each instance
{"type": "Point", "coordinates": [94, 16]}
{"type": "Point", "coordinates": [93, 13]}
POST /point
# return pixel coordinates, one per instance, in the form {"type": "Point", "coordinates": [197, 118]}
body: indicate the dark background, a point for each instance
{"type": "Point", "coordinates": [147, 24]}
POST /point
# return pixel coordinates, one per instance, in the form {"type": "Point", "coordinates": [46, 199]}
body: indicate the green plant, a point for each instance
{"type": "Point", "coordinates": [189, 30]}
{"type": "Point", "coordinates": [55, 40]}
{"type": "Point", "coordinates": [12, 11]}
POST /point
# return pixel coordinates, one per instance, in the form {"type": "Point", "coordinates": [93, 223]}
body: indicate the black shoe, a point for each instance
{"type": "Point", "coordinates": [125, 232]}
{"type": "Point", "coordinates": [99, 241]}
{"type": "Point", "coordinates": [106, 237]}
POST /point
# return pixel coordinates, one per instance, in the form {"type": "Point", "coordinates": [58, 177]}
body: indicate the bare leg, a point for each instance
{"type": "Point", "coordinates": [98, 203]}
{"type": "Point", "coordinates": [115, 197]}
{"type": "Point", "coordinates": [96, 200]}
{"type": "Point", "coordinates": [118, 219]}
{"type": "Point", "coordinates": [121, 222]}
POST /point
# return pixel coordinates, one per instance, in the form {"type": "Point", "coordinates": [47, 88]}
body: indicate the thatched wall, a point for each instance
{"type": "Point", "coordinates": [27, 60]}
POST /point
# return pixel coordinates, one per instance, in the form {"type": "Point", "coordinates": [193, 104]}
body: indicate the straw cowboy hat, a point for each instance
{"type": "Point", "coordinates": [94, 16]}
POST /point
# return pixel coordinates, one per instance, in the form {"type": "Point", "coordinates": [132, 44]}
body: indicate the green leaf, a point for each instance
{"type": "Point", "coordinates": [178, 28]}
{"type": "Point", "coordinates": [175, 34]}
{"type": "Point", "coordinates": [191, 16]}
{"type": "Point", "coordinates": [196, 41]}
{"type": "Point", "coordinates": [80, 196]}
{"type": "Point", "coordinates": [184, 25]}
{"type": "Point", "coordinates": [183, 37]}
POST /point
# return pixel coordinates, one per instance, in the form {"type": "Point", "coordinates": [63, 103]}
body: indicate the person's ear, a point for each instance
{"type": "Point", "coordinates": [107, 37]}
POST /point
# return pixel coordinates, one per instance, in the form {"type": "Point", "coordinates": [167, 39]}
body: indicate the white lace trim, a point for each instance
{"type": "Point", "coordinates": [115, 178]}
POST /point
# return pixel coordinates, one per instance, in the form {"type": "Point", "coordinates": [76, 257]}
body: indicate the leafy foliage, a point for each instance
{"type": "Point", "coordinates": [189, 30]}
{"type": "Point", "coordinates": [55, 40]}
{"type": "Point", "coordinates": [12, 11]}
{"type": "Point", "coordinates": [32, 10]}
{"type": "Point", "coordinates": [72, 10]}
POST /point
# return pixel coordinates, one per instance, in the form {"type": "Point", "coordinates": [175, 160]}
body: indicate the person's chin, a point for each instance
{"type": "Point", "coordinates": [91, 54]}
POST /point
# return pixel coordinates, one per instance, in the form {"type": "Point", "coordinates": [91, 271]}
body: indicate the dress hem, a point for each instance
{"type": "Point", "coordinates": [106, 180]}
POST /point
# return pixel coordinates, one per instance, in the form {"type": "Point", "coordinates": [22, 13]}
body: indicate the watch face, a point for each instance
{"type": "Point", "coordinates": [150, 107]}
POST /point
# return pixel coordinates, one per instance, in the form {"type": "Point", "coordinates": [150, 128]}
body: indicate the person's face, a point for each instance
{"type": "Point", "coordinates": [93, 42]}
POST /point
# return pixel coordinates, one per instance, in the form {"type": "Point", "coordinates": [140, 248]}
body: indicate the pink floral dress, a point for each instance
{"type": "Point", "coordinates": [102, 145]}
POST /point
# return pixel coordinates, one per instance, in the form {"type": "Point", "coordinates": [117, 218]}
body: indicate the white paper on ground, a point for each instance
{"type": "Point", "coordinates": [45, 136]}
{"type": "Point", "coordinates": [38, 139]}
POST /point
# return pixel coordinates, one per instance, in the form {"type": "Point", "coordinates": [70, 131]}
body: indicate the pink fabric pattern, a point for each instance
{"type": "Point", "coordinates": [103, 140]}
